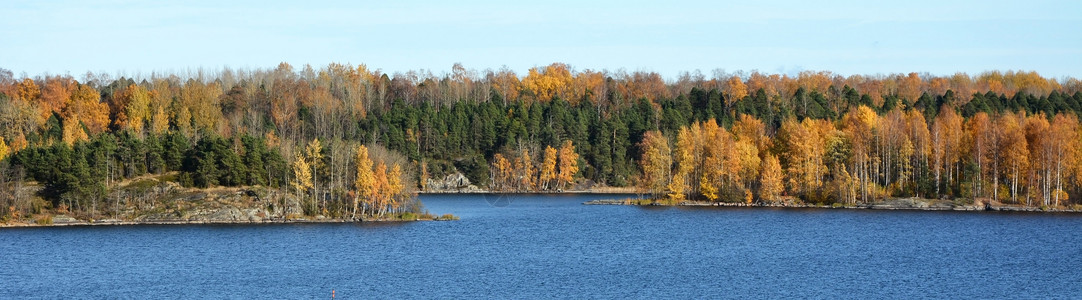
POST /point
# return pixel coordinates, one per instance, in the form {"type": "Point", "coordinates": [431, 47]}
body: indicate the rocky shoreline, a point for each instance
{"type": "Point", "coordinates": [167, 203]}
{"type": "Point", "coordinates": [67, 221]}
{"type": "Point", "coordinates": [890, 204]}
{"type": "Point", "coordinates": [456, 183]}
{"type": "Point", "coordinates": [114, 222]}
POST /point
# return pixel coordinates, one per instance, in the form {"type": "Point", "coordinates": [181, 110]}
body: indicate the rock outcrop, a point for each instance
{"type": "Point", "coordinates": [221, 205]}
{"type": "Point", "coordinates": [452, 183]}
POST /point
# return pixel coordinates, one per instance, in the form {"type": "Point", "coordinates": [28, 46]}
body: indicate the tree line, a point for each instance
{"type": "Point", "coordinates": [1013, 158]}
{"type": "Point", "coordinates": [301, 130]}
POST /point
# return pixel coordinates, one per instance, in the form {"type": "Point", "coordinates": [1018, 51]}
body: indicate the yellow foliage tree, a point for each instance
{"type": "Point", "coordinates": [313, 155]}
{"type": "Point", "coordinates": [395, 187]}
{"type": "Point", "coordinates": [3, 149]}
{"type": "Point", "coordinates": [569, 164]}
{"type": "Point", "coordinates": [501, 172]}
{"type": "Point", "coordinates": [159, 123]}
{"type": "Point", "coordinates": [805, 150]}
{"type": "Point", "coordinates": [202, 100]}
{"type": "Point", "coordinates": [685, 163]}
{"type": "Point", "coordinates": [713, 167]}
{"type": "Point", "coordinates": [138, 108]}
{"type": "Point", "coordinates": [72, 132]}
{"type": "Point", "coordinates": [86, 106]}
{"type": "Point", "coordinates": [656, 162]}
{"type": "Point", "coordinates": [548, 168]}
{"type": "Point", "coordinates": [552, 81]}
{"type": "Point", "coordinates": [749, 162]}
{"type": "Point", "coordinates": [1064, 146]}
{"type": "Point", "coordinates": [750, 129]}
{"type": "Point", "coordinates": [381, 186]}
{"type": "Point", "coordinates": [859, 125]}
{"type": "Point", "coordinates": [946, 143]}
{"type": "Point", "coordinates": [736, 91]}
{"type": "Point", "coordinates": [1014, 151]}
{"type": "Point", "coordinates": [302, 175]}
{"type": "Point", "coordinates": [365, 182]}
{"type": "Point", "coordinates": [26, 91]}
{"type": "Point", "coordinates": [524, 170]}
{"type": "Point", "coordinates": [771, 180]}
{"type": "Point", "coordinates": [56, 94]}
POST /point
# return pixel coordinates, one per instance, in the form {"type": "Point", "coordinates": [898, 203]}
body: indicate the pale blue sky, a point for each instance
{"type": "Point", "coordinates": [846, 37]}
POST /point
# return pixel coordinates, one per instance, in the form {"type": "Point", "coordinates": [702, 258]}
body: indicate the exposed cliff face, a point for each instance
{"type": "Point", "coordinates": [452, 183]}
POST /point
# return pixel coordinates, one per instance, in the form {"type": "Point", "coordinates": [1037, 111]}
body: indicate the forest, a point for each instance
{"type": "Point", "coordinates": [354, 140]}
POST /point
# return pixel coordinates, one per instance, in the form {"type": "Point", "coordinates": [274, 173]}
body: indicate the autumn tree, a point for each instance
{"type": "Point", "coordinates": [85, 109]}
{"type": "Point", "coordinates": [302, 176]}
{"type": "Point", "coordinates": [805, 146]}
{"type": "Point", "coordinates": [55, 95]}
{"type": "Point", "coordinates": [569, 164]}
{"type": "Point", "coordinates": [656, 162]}
{"type": "Point", "coordinates": [859, 126]}
{"type": "Point", "coordinates": [548, 168]}
{"type": "Point", "coordinates": [717, 168]}
{"type": "Point", "coordinates": [736, 90]}
{"type": "Point", "coordinates": [313, 156]}
{"type": "Point", "coordinates": [502, 171]}
{"type": "Point", "coordinates": [1038, 183]}
{"type": "Point", "coordinates": [684, 158]}
{"type": "Point", "coordinates": [909, 87]}
{"type": "Point", "coordinates": [524, 171]}
{"type": "Point", "coordinates": [27, 91]}
{"type": "Point", "coordinates": [980, 143]}
{"type": "Point", "coordinates": [1064, 144]}
{"type": "Point", "coordinates": [365, 182]}
{"type": "Point", "coordinates": [919, 159]}
{"type": "Point", "coordinates": [750, 139]}
{"type": "Point", "coordinates": [1014, 150]}
{"type": "Point", "coordinates": [159, 107]}
{"type": "Point", "coordinates": [137, 112]}
{"type": "Point", "coordinates": [381, 185]}
{"type": "Point", "coordinates": [545, 84]}
{"type": "Point", "coordinates": [395, 187]}
{"type": "Point", "coordinates": [4, 149]}
{"type": "Point", "coordinates": [201, 101]}
{"type": "Point", "coordinates": [946, 143]}
{"type": "Point", "coordinates": [771, 180]}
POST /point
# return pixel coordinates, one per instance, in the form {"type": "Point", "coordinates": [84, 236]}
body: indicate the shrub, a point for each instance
{"type": "Point", "coordinates": [447, 217]}
{"type": "Point", "coordinates": [44, 220]}
{"type": "Point", "coordinates": [408, 216]}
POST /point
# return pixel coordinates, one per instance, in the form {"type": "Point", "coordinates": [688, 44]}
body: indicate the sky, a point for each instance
{"type": "Point", "coordinates": [125, 38]}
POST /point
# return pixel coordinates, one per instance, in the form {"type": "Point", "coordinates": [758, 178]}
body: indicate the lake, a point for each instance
{"type": "Point", "coordinates": [552, 246]}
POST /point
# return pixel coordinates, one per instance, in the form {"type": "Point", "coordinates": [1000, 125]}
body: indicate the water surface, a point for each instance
{"type": "Point", "coordinates": [552, 246]}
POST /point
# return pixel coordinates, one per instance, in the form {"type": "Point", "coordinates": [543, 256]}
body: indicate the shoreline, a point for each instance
{"type": "Point", "coordinates": [589, 191]}
{"type": "Point", "coordinates": [907, 204]}
{"type": "Point", "coordinates": [583, 192]}
{"type": "Point", "coordinates": [113, 222]}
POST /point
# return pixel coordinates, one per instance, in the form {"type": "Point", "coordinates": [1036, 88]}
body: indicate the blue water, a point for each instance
{"type": "Point", "coordinates": [553, 247]}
